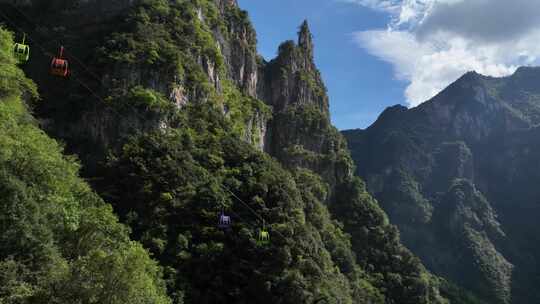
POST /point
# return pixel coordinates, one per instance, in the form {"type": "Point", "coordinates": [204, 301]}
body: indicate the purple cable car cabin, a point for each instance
{"type": "Point", "coordinates": [224, 221]}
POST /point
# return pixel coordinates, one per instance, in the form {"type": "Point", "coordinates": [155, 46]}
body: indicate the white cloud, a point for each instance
{"type": "Point", "coordinates": [391, 6]}
{"type": "Point", "coordinates": [431, 43]}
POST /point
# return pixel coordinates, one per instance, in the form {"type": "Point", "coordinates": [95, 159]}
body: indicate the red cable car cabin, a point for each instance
{"type": "Point", "coordinates": [60, 66]}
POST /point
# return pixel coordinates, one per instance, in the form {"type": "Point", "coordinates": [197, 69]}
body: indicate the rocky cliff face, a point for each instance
{"type": "Point", "coordinates": [239, 47]}
{"type": "Point", "coordinates": [300, 133]}
{"type": "Point", "coordinates": [456, 175]}
{"type": "Point", "coordinates": [110, 64]}
{"type": "Point", "coordinates": [292, 79]}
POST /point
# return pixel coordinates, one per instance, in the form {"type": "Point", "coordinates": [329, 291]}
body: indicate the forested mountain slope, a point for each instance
{"type": "Point", "coordinates": [59, 242]}
{"type": "Point", "coordinates": [458, 175]}
{"type": "Point", "coordinates": [176, 119]}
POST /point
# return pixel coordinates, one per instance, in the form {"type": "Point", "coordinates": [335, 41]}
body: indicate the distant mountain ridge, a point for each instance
{"type": "Point", "coordinates": [458, 175]}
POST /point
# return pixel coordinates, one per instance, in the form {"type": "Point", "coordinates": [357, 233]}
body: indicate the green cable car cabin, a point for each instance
{"type": "Point", "coordinates": [22, 51]}
{"type": "Point", "coordinates": [264, 237]}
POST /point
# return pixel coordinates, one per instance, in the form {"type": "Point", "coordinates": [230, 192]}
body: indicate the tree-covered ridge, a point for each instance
{"type": "Point", "coordinates": [59, 242]}
{"type": "Point", "coordinates": [170, 187]}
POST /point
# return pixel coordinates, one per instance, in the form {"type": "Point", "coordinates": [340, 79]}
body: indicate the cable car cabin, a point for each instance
{"type": "Point", "coordinates": [224, 221]}
{"type": "Point", "coordinates": [21, 51]}
{"type": "Point", "coordinates": [264, 238]}
{"type": "Point", "coordinates": [59, 65]}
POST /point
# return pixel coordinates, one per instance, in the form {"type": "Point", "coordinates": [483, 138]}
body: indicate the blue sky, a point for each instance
{"type": "Point", "coordinates": [360, 85]}
{"type": "Point", "coordinates": [377, 53]}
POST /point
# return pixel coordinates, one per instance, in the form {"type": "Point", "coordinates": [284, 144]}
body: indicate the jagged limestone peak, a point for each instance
{"type": "Point", "coordinates": [305, 39]}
